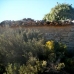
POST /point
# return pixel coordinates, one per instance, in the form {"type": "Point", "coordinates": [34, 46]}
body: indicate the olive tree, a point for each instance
{"type": "Point", "coordinates": [60, 12]}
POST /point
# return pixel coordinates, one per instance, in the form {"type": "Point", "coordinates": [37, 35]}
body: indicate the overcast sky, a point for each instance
{"type": "Point", "coordinates": [35, 9]}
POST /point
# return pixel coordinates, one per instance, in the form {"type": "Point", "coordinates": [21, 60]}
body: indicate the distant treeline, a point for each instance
{"type": "Point", "coordinates": [32, 22]}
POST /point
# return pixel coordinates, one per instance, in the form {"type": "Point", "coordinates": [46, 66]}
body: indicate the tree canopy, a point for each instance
{"type": "Point", "coordinates": [60, 12]}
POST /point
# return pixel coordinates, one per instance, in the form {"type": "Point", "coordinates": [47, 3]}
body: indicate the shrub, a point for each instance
{"type": "Point", "coordinates": [55, 50]}
{"type": "Point", "coordinates": [25, 52]}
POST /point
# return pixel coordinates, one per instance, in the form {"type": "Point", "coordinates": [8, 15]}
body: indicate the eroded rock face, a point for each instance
{"type": "Point", "coordinates": [59, 31]}
{"type": "Point", "coordinates": [64, 34]}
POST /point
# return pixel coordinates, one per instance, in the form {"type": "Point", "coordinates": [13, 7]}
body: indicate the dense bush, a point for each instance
{"type": "Point", "coordinates": [27, 52]}
{"type": "Point", "coordinates": [16, 46]}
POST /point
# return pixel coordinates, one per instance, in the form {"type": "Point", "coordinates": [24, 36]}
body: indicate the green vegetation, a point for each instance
{"type": "Point", "coordinates": [28, 52]}
{"type": "Point", "coordinates": [60, 12]}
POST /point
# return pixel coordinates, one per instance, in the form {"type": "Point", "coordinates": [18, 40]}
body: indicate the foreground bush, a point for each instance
{"type": "Point", "coordinates": [27, 52]}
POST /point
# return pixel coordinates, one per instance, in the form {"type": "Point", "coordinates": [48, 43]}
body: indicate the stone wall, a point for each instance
{"type": "Point", "coordinates": [64, 34]}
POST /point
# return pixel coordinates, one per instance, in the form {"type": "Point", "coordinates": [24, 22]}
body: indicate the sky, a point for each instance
{"type": "Point", "coordinates": [35, 9]}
